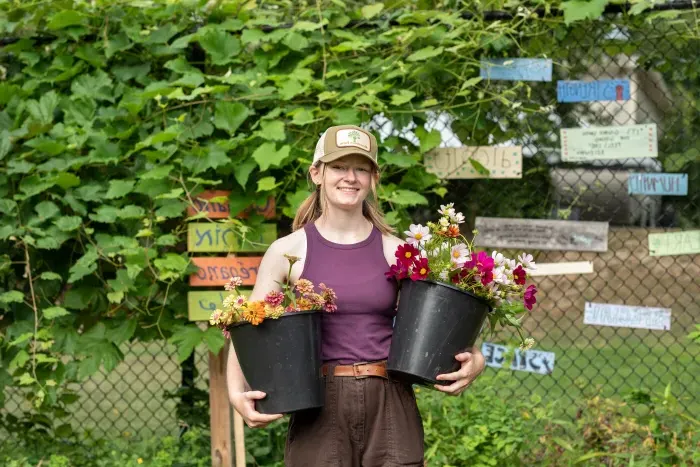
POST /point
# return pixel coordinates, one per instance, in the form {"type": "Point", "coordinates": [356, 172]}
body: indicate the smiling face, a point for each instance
{"type": "Point", "coordinates": [345, 182]}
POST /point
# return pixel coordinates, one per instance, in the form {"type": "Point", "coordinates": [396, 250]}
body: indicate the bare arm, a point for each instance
{"type": "Point", "coordinates": [272, 270]}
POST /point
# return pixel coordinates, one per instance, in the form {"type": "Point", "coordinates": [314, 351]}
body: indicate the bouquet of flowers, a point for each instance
{"type": "Point", "coordinates": [439, 252]}
{"type": "Point", "coordinates": [293, 298]}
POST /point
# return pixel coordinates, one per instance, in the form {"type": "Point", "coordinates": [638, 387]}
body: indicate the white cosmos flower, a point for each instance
{"type": "Point", "coordinates": [457, 218]}
{"type": "Point", "coordinates": [459, 254]}
{"type": "Point", "coordinates": [444, 276]}
{"type": "Point", "coordinates": [510, 264]}
{"type": "Point", "coordinates": [498, 258]}
{"type": "Point", "coordinates": [447, 209]}
{"type": "Point", "coordinates": [500, 276]}
{"type": "Point", "coordinates": [444, 221]}
{"type": "Point", "coordinates": [527, 261]}
{"type": "Point", "coordinates": [417, 234]}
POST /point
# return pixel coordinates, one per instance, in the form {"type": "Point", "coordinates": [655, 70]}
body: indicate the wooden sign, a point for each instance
{"type": "Point", "coordinates": [221, 237]}
{"type": "Point", "coordinates": [541, 234]}
{"type": "Point", "coordinates": [201, 304]}
{"type": "Point", "coordinates": [674, 243]}
{"type": "Point", "coordinates": [657, 184]}
{"type": "Point", "coordinates": [624, 316]}
{"type": "Point", "coordinates": [502, 162]}
{"type": "Point", "coordinates": [218, 271]}
{"type": "Point", "coordinates": [516, 69]}
{"type": "Point", "coordinates": [558, 269]}
{"type": "Point", "coordinates": [532, 361]}
{"type": "Point", "coordinates": [220, 209]}
{"type": "Point", "coordinates": [611, 142]}
{"type": "Point", "coordinates": [591, 91]}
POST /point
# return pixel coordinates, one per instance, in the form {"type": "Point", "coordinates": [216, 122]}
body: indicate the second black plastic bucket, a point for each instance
{"type": "Point", "coordinates": [434, 322]}
{"type": "Point", "coordinates": [282, 358]}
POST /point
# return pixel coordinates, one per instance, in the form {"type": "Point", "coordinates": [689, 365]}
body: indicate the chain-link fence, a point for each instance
{"type": "Point", "coordinates": [150, 393]}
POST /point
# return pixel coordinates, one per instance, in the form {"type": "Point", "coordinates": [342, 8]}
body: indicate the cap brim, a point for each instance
{"type": "Point", "coordinates": [347, 152]}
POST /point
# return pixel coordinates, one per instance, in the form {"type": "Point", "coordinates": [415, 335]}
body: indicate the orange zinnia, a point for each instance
{"type": "Point", "coordinates": [453, 231]}
{"type": "Point", "coordinates": [255, 312]}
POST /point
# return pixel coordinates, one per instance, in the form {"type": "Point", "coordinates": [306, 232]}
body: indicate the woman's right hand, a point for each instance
{"type": "Point", "coordinates": [244, 403]}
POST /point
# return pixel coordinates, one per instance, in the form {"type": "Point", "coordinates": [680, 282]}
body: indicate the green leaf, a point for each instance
{"type": "Point", "coordinates": [123, 332]}
{"type": "Point", "coordinates": [5, 144]}
{"type": "Point", "coordinates": [428, 141]}
{"type": "Point", "coordinates": [402, 97]}
{"type": "Point", "coordinates": [250, 36]}
{"type": "Point", "coordinates": [43, 110]}
{"type": "Point", "coordinates": [98, 86]}
{"type": "Point", "coordinates": [303, 117]}
{"type": "Point", "coordinates": [291, 88]}
{"type": "Point", "coordinates": [267, 155]}
{"type": "Point", "coordinates": [7, 206]}
{"type": "Point", "coordinates": [479, 167]}
{"type": "Point", "coordinates": [159, 172]}
{"type": "Point", "coordinates": [214, 339]}
{"type": "Point", "coordinates": [119, 188]}
{"type": "Point", "coordinates": [105, 214]}
{"type": "Point", "coordinates": [68, 223]}
{"type": "Point", "coordinates": [13, 296]}
{"type": "Point", "coordinates": [267, 184]}
{"type": "Point", "coordinates": [50, 276]}
{"type": "Point", "coordinates": [230, 115]}
{"type": "Point", "coordinates": [272, 130]}
{"type": "Point", "coordinates": [66, 180]}
{"type": "Point", "coordinates": [370, 11]}
{"type": "Point", "coordinates": [295, 199]}
{"type": "Point", "coordinates": [407, 198]}
{"type": "Point", "coordinates": [54, 312]}
{"type": "Point", "coordinates": [185, 339]}
{"type": "Point", "coordinates": [221, 46]}
{"type": "Point", "coordinates": [242, 171]}
{"type": "Point", "coordinates": [87, 264]}
{"type": "Point", "coordinates": [578, 10]}
{"type": "Point", "coordinates": [46, 209]}
{"type": "Point", "coordinates": [65, 18]}
{"type": "Point", "coordinates": [295, 41]}
{"type": "Point", "coordinates": [131, 212]}
{"type": "Point", "coordinates": [398, 159]}
{"type": "Point", "coordinates": [425, 53]}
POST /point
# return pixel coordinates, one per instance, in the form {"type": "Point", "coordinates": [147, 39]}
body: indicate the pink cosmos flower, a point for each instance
{"type": "Point", "coordinates": [529, 297]}
{"type": "Point", "coordinates": [519, 275]}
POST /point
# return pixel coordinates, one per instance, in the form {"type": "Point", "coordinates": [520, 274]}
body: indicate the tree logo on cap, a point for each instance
{"type": "Point", "coordinates": [354, 135]}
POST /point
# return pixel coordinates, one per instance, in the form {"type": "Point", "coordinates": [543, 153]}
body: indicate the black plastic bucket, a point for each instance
{"type": "Point", "coordinates": [434, 322]}
{"type": "Point", "coordinates": [282, 357]}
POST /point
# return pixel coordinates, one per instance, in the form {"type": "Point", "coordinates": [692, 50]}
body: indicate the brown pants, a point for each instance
{"type": "Point", "coordinates": [365, 422]}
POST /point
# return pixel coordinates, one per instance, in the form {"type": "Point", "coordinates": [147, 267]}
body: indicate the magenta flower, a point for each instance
{"type": "Point", "coordinates": [486, 277]}
{"type": "Point", "coordinates": [420, 269]}
{"type": "Point", "coordinates": [519, 275]}
{"type": "Point", "coordinates": [274, 298]}
{"type": "Point", "coordinates": [529, 297]}
{"type": "Point", "coordinates": [406, 254]}
{"type": "Point", "coordinates": [398, 271]}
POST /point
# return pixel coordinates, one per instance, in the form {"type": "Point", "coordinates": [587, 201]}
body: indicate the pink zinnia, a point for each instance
{"type": "Point", "coordinates": [519, 275]}
{"type": "Point", "coordinates": [233, 283]}
{"type": "Point", "coordinates": [304, 286]}
{"type": "Point", "coordinates": [274, 298]}
{"type": "Point", "coordinates": [420, 269]}
{"type": "Point", "coordinates": [529, 297]}
{"type": "Point", "coordinates": [330, 307]}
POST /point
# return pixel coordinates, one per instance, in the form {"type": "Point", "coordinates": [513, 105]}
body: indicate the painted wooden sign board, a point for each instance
{"type": "Point", "coordinates": [217, 271]}
{"type": "Point", "coordinates": [502, 162]}
{"type": "Point", "coordinates": [516, 69]}
{"type": "Point", "coordinates": [541, 234]}
{"type": "Point", "coordinates": [221, 237]}
{"type": "Point", "coordinates": [592, 91]}
{"type": "Point", "coordinates": [657, 184]}
{"type": "Point", "coordinates": [220, 209]}
{"type": "Point", "coordinates": [612, 142]}
{"type": "Point", "coordinates": [201, 304]}
{"type": "Point", "coordinates": [533, 361]}
{"type": "Point", "coordinates": [558, 269]}
{"type": "Point", "coordinates": [674, 243]}
{"type": "Point", "coordinates": [625, 316]}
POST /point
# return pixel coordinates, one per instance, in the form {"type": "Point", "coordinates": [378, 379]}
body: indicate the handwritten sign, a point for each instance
{"type": "Point", "coordinates": [533, 361]}
{"type": "Point", "coordinates": [516, 69]}
{"type": "Point", "coordinates": [558, 269]}
{"type": "Point", "coordinates": [220, 209]}
{"type": "Point", "coordinates": [625, 316]}
{"type": "Point", "coordinates": [220, 237]}
{"type": "Point", "coordinates": [614, 142]}
{"type": "Point", "coordinates": [590, 91]}
{"type": "Point", "coordinates": [674, 243]}
{"type": "Point", "coordinates": [502, 162]}
{"type": "Point", "coordinates": [218, 271]}
{"type": "Point", "coordinates": [541, 234]}
{"type": "Point", "coordinates": [657, 184]}
{"type": "Point", "coordinates": [201, 304]}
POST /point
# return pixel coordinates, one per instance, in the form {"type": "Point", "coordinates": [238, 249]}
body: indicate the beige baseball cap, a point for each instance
{"type": "Point", "coordinates": [343, 140]}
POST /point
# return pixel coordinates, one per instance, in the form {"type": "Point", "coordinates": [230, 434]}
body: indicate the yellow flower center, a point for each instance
{"type": "Point", "coordinates": [455, 254]}
{"type": "Point", "coordinates": [423, 271]}
{"type": "Point", "coordinates": [418, 236]}
{"type": "Point", "coordinates": [408, 254]}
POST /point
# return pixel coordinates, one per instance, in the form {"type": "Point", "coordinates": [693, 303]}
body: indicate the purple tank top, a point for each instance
{"type": "Point", "coordinates": [360, 329]}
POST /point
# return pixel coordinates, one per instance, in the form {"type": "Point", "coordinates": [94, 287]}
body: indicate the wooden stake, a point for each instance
{"type": "Point", "coordinates": [219, 410]}
{"type": "Point", "coordinates": [238, 438]}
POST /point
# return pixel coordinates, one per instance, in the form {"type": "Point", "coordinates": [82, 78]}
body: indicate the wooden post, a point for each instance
{"type": "Point", "coordinates": [238, 438]}
{"type": "Point", "coordinates": [219, 410]}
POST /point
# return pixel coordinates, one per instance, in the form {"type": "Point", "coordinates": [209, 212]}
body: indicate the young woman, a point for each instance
{"type": "Point", "coordinates": [344, 241]}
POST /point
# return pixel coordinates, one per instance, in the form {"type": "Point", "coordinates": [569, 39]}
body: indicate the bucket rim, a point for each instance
{"type": "Point", "coordinates": [450, 286]}
{"type": "Point", "coordinates": [283, 315]}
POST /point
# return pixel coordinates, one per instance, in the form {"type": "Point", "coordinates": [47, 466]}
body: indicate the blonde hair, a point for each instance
{"type": "Point", "coordinates": [311, 208]}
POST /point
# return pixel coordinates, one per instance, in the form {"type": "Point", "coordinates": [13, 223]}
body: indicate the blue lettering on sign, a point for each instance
{"type": "Point", "coordinates": [209, 306]}
{"type": "Point", "coordinates": [516, 69]}
{"type": "Point", "coordinates": [533, 361]}
{"type": "Point", "coordinates": [657, 184]}
{"type": "Point", "coordinates": [227, 236]}
{"type": "Point", "coordinates": [590, 91]}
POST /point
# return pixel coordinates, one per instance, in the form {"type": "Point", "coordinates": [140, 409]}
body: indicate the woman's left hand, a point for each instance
{"type": "Point", "coordinates": [473, 364]}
